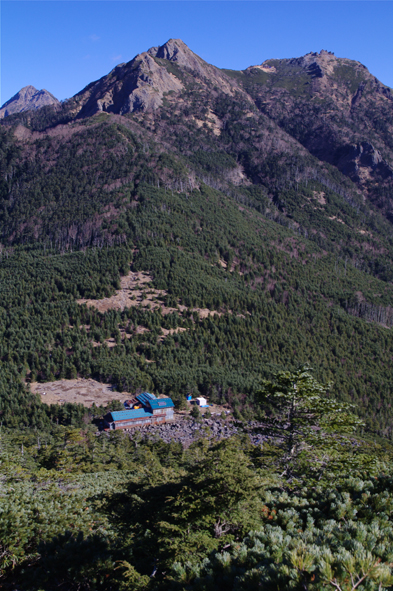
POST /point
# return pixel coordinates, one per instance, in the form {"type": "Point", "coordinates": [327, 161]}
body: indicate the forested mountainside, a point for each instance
{"type": "Point", "coordinates": [257, 205]}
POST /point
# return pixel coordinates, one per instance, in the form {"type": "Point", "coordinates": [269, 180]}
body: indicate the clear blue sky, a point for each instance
{"type": "Point", "coordinates": [64, 45]}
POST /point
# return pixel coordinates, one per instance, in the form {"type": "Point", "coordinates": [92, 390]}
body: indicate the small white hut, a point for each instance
{"type": "Point", "coordinates": [201, 401]}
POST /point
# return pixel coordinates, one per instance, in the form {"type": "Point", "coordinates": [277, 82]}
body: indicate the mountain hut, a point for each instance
{"type": "Point", "coordinates": [146, 410]}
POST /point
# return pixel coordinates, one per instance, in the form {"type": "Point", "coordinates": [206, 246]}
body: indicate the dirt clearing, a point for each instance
{"type": "Point", "coordinates": [136, 290]}
{"type": "Point", "coordinates": [78, 391]}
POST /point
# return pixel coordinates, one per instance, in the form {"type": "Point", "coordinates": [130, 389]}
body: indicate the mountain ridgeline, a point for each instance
{"type": "Point", "coordinates": [264, 196]}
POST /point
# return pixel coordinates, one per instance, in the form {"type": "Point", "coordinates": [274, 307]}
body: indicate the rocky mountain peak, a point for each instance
{"type": "Point", "coordinates": [175, 50]}
{"type": "Point", "coordinates": [141, 84]}
{"type": "Point", "coordinates": [317, 64]}
{"type": "Point", "coordinates": [27, 99]}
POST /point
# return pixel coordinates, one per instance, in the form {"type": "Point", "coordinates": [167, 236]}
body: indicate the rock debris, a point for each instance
{"type": "Point", "coordinates": [186, 431]}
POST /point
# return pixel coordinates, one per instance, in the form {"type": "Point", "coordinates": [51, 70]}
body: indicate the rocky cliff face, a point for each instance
{"type": "Point", "coordinates": [27, 99]}
{"type": "Point", "coordinates": [136, 86]}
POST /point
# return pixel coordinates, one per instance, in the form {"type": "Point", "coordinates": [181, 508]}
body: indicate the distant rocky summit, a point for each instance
{"type": "Point", "coordinates": [27, 99]}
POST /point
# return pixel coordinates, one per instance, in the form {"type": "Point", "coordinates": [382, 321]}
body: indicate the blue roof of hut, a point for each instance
{"type": "Point", "coordinates": [161, 403]}
{"type": "Point", "coordinates": [123, 415]}
{"type": "Point", "coordinates": [145, 397]}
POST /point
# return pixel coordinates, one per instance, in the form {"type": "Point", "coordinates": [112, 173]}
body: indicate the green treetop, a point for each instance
{"type": "Point", "coordinates": [307, 425]}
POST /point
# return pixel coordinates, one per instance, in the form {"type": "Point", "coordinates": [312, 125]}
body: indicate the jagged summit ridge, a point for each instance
{"type": "Point", "coordinates": [138, 85]}
{"type": "Point", "coordinates": [141, 84]}
{"type": "Point", "coordinates": [333, 107]}
{"type": "Point", "coordinates": [316, 64]}
{"type": "Point", "coordinates": [27, 99]}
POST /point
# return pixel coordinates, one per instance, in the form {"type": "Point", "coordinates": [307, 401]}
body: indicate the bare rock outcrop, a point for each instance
{"type": "Point", "coordinates": [136, 86]}
{"type": "Point", "coordinates": [176, 51]}
{"type": "Point", "coordinates": [359, 161]}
